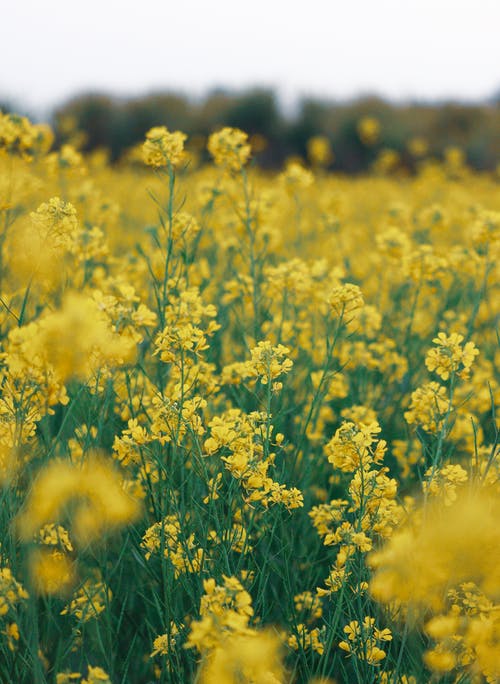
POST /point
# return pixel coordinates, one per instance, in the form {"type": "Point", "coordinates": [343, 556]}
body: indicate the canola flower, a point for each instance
{"type": "Point", "coordinates": [248, 420]}
{"type": "Point", "coordinates": [229, 148]}
{"type": "Point", "coordinates": [102, 502]}
{"type": "Point", "coordinates": [446, 559]}
{"type": "Point", "coordinates": [449, 357]}
{"type": "Point", "coordinates": [363, 640]}
{"type": "Point", "coordinates": [95, 675]}
{"type": "Point", "coordinates": [77, 339]}
{"type": "Point", "coordinates": [440, 537]}
{"type": "Point", "coordinates": [52, 572]}
{"type": "Point", "coordinates": [369, 130]}
{"type": "Point", "coordinates": [247, 658]}
{"type": "Point", "coordinates": [163, 148]}
{"type": "Point", "coordinates": [319, 151]}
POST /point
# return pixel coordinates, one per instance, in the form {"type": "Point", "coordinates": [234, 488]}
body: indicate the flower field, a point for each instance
{"type": "Point", "coordinates": [247, 419]}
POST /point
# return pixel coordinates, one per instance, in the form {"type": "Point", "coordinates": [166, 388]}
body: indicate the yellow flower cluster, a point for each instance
{"type": "Point", "coordinates": [346, 298]}
{"type": "Point", "coordinates": [56, 221]}
{"type": "Point", "coordinates": [269, 362]}
{"type": "Point", "coordinates": [78, 339]}
{"type": "Point", "coordinates": [164, 643]}
{"type": "Point", "coordinates": [95, 675]}
{"type": "Point", "coordinates": [296, 177]}
{"type": "Point", "coordinates": [248, 658]}
{"type": "Point", "coordinates": [229, 148]}
{"type": "Point", "coordinates": [308, 638]}
{"type": "Point", "coordinates": [445, 482]}
{"type": "Point", "coordinates": [369, 130]}
{"type": "Point", "coordinates": [449, 356]}
{"type": "Point", "coordinates": [94, 486]}
{"type": "Point", "coordinates": [364, 640]}
{"type": "Point", "coordinates": [370, 511]}
{"type": "Point", "coordinates": [163, 148]}
{"type": "Point", "coordinates": [319, 151]}
{"type": "Point", "coordinates": [443, 546]}
{"type": "Point", "coordinates": [439, 536]}
{"type": "Point", "coordinates": [223, 608]}
{"type": "Point", "coordinates": [11, 591]}
{"type": "Point", "coordinates": [52, 571]}
{"type": "Point", "coordinates": [19, 134]}
{"type": "Point", "coordinates": [167, 538]}
{"type": "Point", "coordinates": [89, 601]}
{"type": "Point", "coordinates": [428, 406]}
{"type": "Point", "coordinates": [245, 441]}
{"type": "Point", "coordinates": [233, 651]}
{"type": "Point", "coordinates": [351, 447]}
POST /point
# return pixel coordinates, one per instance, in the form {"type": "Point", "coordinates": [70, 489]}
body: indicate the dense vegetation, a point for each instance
{"type": "Point", "coordinates": [247, 418]}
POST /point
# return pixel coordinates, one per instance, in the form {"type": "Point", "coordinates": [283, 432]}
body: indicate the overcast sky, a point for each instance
{"type": "Point", "coordinates": [53, 49]}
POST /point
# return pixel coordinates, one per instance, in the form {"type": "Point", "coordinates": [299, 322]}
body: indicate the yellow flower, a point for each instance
{"type": "Point", "coordinates": [95, 485]}
{"type": "Point", "coordinates": [346, 298]}
{"type": "Point", "coordinates": [296, 177]}
{"type": "Point", "coordinates": [55, 535]}
{"type": "Point", "coordinates": [56, 222]}
{"type": "Point", "coordinates": [449, 356]}
{"type": "Point", "coordinates": [319, 151]}
{"type": "Point", "coordinates": [428, 407]}
{"type": "Point", "coordinates": [89, 601]}
{"type": "Point", "coordinates": [78, 339]}
{"type": "Point", "coordinates": [254, 657]}
{"type": "Point", "coordinates": [96, 675]}
{"type": "Point", "coordinates": [369, 130]}
{"type": "Point", "coordinates": [11, 591]}
{"type": "Point", "coordinates": [440, 660]}
{"type": "Point", "coordinates": [269, 362]}
{"type": "Point", "coordinates": [305, 638]}
{"type": "Point", "coordinates": [445, 482]}
{"type": "Point", "coordinates": [52, 572]}
{"type": "Point", "coordinates": [163, 148]}
{"type": "Point", "coordinates": [68, 677]}
{"type": "Point", "coordinates": [418, 147]}
{"type": "Point", "coordinates": [364, 640]}
{"type": "Point", "coordinates": [441, 546]}
{"type": "Point", "coordinates": [351, 446]}
{"type": "Point", "coordinates": [11, 632]}
{"type": "Point", "coordinates": [229, 148]}
{"type": "Point", "coordinates": [164, 643]}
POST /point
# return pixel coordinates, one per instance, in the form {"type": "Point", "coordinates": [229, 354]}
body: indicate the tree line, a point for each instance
{"type": "Point", "coordinates": [410, 130]}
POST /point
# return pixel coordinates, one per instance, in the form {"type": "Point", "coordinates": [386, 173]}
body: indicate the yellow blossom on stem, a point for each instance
{"type": "Point", "coordinates": [229, 148]}
{"type": "Point", "coordinates": [163, 148]}
{"type": "Point", "coordinates": [450, 356]}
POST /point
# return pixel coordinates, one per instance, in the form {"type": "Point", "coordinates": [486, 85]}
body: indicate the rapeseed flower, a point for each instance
{"type": "Point", "coordinates": [163, 148]}
{"type": "Point", "coordinates": [229, 148]}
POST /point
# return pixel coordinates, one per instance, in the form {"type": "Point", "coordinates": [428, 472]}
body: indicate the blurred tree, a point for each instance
{"type": "Point", "coordinates": [118, 124]}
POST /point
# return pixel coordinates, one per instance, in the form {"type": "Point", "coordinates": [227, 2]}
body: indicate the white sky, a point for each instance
{"type": "Point", "coordinates": [53, 49]}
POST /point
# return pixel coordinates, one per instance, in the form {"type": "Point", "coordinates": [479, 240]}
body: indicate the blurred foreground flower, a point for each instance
{"type": "Point", "coordinates": [76, 341]}
{"type": "Point", "coordinates": [369, 130]}
{"type": "Point", "coordinates": [229, 148]}
{"type": "Point", "coordinates": [447, 560]}
{"type": "Point", "coordinates": [319, 151]}
{"type": "Point", "coordinates": [94, 488]}
{"type": "Point", "coordinates": [245, 658]}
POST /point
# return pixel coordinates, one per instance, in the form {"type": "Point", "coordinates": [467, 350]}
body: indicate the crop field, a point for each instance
{"type": "Point", "coordinates": [247, 418]}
